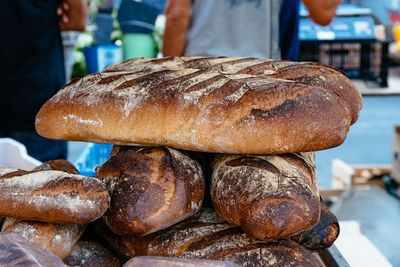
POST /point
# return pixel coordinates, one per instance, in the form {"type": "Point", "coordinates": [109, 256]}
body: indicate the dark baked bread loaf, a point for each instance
{"type": "Point", "coordinates": [17, 251]}
{"type": "Point", "coordinates": [323, 234]}
{"type": "Point", "coordinates": [205, 236]}
{"type": "Point", "coordinates": [151, 189]}
{"type": "Point", "coordinates": [227, 105]}
{"type": "Point", "coordinates": [271, 196]}
{"type": "Point", "coordinates": [91, 254]}
{"type": "Point", "coordinates": [59, 239]}
{"type": "Point", "coordinates": [51, 196]}
{"type": "Point", "coordinates": [58, 165]}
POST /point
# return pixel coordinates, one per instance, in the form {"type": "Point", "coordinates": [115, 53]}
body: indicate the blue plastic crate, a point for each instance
{"type": "Point", "coordinates": [92, 156]}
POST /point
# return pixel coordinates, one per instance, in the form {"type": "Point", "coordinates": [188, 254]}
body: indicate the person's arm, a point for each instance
{"type": "Point", "coordinates": [73, 15]}
{"type": "Point", "coordinates": [177, 14]}
{"type": "Point", "coordinates": [322, 11]}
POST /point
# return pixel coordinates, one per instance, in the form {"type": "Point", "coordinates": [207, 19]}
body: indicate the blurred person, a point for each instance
{"type": "Point", "coordinates": [33, 66]}
{"type": "Point", "coordinates": [289, 42]}
{"type": "Point", "coordinates": [246, 28]}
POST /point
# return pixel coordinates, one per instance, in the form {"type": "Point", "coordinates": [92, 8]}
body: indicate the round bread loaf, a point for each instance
{"type": "Point", "coordinates": [271, 196]}
{"type": "Point", "coordinates": [58, 165]}
{"type": "Point", "coordinates": [226, 105]}
{"type": "Point", "coordinates": [51, 196]}
{"type": "Point", "coordinates": [59, 239]}
{"type": "Point", "coordinates": [205, 236]}
{"type": "Point", "coordinates": [151, 189]}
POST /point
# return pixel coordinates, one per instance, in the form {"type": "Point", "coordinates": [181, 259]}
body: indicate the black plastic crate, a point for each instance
{"type": "Point", "coordinates": [365, 60]}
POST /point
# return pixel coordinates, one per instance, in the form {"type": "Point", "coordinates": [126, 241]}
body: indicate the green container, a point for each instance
{"type": "Point", "coordinates": [138, 45]}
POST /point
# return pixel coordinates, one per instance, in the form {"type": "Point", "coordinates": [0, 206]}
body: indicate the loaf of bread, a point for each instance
{"type": "Point", "coordinates": [268, 196]}
{"type": "Point", "coordinates": [151, 189]}
{"type": "Point", "coordinates": [226, 105]}
{"type": "Point", "coordinates": [51, 196]}
{"type": "Point", "coordinates": [59, 239]}
{"type": "Point", "coordinates": [175, 262]}
{"type": "Point", "coordinates": [91, 254]}
{"type": "Point", "coordinates": [306, 72]}
{"type": "Point", "coordinates": [58, 165]}
{"type": "Point", "coordinates": [322, 235]}
{"type": "Point", "coordinates": [17, 251]}
{"type": "Point", "coordinates": [205, 236]}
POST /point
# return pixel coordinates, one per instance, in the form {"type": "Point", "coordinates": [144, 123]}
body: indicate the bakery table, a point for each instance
{"type": "Point", "coordinates": [332, 257]}
{"type": "Point", "coordinates": [378, 215]}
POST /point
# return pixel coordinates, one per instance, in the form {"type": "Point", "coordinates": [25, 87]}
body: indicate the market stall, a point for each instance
{"type": "Point", "coordinates": [207, 160]}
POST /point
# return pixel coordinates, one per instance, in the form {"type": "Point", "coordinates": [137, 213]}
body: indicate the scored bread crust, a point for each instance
{"type": "Point", "coordinates": [212, 104]}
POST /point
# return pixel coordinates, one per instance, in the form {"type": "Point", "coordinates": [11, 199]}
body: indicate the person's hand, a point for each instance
{"type": "Point", "coordinates": [322, 11]}
{"type": "Point", "coordinates": [62, 12]}
{"type": "Point", "coordinates": [72, 15]}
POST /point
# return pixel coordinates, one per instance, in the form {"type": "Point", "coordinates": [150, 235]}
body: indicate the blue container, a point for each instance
{"type": "Point", "coordinates": [104, 27]}
{"type": "Point", "coordinates": [92, 156]}
{"type": "Point", "coordinates": [98, 57]}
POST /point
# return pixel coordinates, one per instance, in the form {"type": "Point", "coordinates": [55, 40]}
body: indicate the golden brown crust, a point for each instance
{"type": "Point", "coordinates": [206, 236]}
{"type": "Point", "coordinates": [59, 239]}
{"type": "Point", "coordinates": [207, 104]}
{"type": "Point", "coordinates": [51, 196]}
{"type": "Point", "coordinates": [272, 196]}
{"type": "Point", "coordinates": [151, 188]}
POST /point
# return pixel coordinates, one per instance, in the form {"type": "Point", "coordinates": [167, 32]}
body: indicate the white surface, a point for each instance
{"type": "Point", "coordinates": [356, 248]}
{"type": "Point", "coordinates": [341, 174]}
{"type": "Point", "coordinates": [13, 155]}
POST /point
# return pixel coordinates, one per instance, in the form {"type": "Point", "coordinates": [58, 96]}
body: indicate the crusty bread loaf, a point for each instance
{"type": "Point", "coordinates": [51, 196]}
{"type": "Point", "coordinates": [205, 236]}
{"type": "Point", "coordinates": [227, 105]}
{"type": "Point", "coordinates": [323, 234]}
{"type": "Point", "coordinates": [17, 251]}
{"type": "Point", "coordinates": [58, 165]}
{"type": "Point", "coordinates": [59, 239]}
{"type": "Point", "coordinates": [91, 254]}
{"type": "Point", "coordinates": [307, 72]}
{"type": "Point", "coordinates": [151, 189]}
{"type": "Point", "coordinates": [271, 196]}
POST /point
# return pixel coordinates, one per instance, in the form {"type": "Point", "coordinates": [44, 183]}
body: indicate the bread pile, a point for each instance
{"type": "Point", "coordinates": [213, 157]}
{"type": "Point", "coordinates": [49, 206]}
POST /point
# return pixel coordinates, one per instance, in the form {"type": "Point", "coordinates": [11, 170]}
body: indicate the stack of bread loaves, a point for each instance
{"type": "Point", "coordinates": [213, 156]}
{"type": "Point", "coordinates": [50, 206]}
